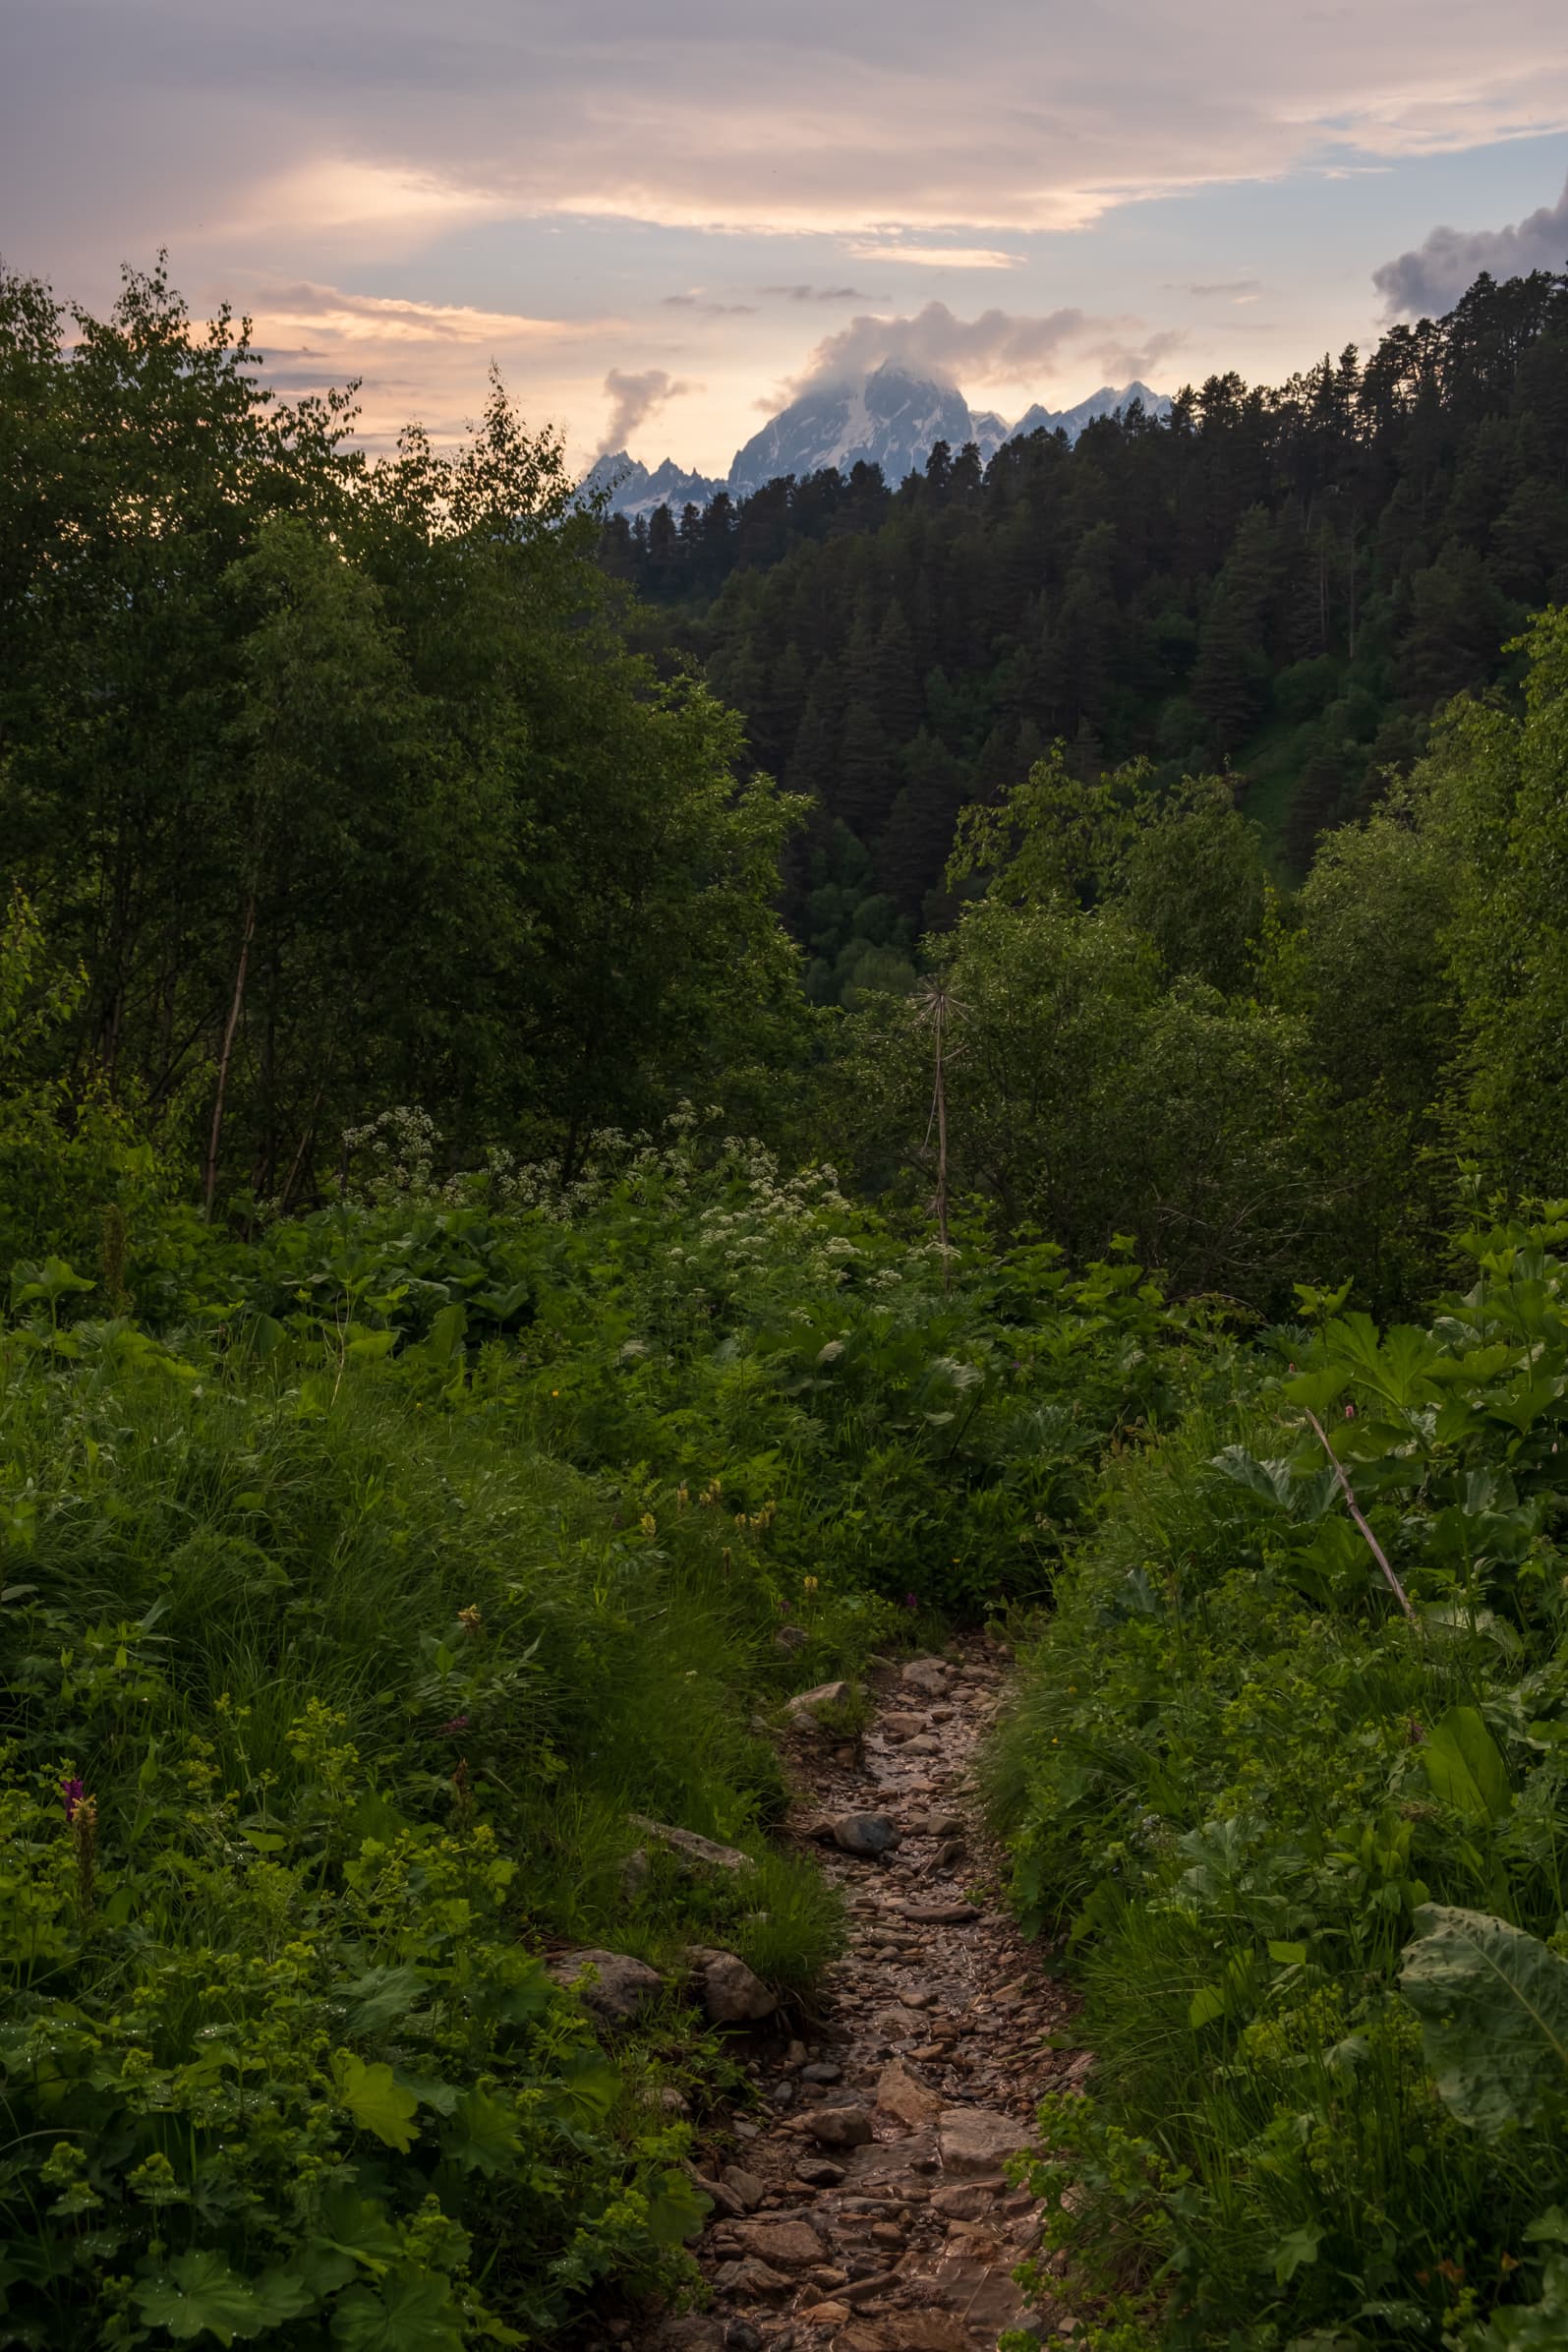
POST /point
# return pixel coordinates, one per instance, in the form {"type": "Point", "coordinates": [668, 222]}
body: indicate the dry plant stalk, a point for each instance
{"type": "Point", "coordinates": [1377, 1551]}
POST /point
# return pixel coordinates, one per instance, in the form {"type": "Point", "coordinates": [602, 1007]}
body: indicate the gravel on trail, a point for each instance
{"type": "Point", "coordinates": [862, 2207]}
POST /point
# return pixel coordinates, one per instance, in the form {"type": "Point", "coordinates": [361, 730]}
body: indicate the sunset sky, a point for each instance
{"type": "Point", "coordinates": [657, 219]}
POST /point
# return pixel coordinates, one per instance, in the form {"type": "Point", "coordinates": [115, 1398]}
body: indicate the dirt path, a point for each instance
{"type": "Point", "coordinates": [872, 2216]}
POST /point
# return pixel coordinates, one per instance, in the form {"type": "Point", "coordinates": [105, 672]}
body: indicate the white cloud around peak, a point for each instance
{"type": "Point", "coordinates": [996, 347]}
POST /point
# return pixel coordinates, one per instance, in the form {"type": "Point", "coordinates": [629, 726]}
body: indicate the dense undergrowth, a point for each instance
{"type": "Point", "coordinates": [1306, 1851]}
{"type": "Point", "coordinates": [361, 1581]}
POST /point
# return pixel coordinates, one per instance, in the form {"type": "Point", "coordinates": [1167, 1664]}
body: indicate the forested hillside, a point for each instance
{"type": "Point", "coordinates": [340, 779]}
{"type": "Point", "coordinates": [490, 1373]}
{"type": "Point", "coordinates": [1285, 583]}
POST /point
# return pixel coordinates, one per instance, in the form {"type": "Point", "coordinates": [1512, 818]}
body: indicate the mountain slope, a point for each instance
{"type": "Point", "coordinates": [890, 419]}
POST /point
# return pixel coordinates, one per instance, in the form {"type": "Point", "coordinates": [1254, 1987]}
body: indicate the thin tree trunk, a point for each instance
{"type": "Point", "coordinates": [287, 1194]}
{"type": "Point", "coordinates": [237, 1000]}
{"type": "Point", "coordinates": [942, 1148]}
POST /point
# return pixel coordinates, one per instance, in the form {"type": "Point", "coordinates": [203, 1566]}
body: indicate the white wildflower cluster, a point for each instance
{"type": "Point", "coordinates": [743, 1211]}
{"type": "Point", "coordinates": [402, 1145]}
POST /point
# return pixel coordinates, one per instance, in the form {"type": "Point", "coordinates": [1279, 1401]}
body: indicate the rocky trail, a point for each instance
{"type": "Point", "coordinates": [871, 2213]}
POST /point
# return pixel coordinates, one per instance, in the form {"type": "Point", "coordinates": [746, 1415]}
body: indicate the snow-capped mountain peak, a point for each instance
{"type": "Point", "coordinates": [634, 489]}
{"type": "Point", "coordinates": [1106, 403]}
{"type": "Point", "coordinates": [889, 418]}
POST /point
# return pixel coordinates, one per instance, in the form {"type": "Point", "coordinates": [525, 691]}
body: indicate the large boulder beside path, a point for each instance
{"type": "Point", "coordinates": [704, 1853]}
{"type": "Point", "coordinates": [730, 1993]}
{"type": "Point", "coordinates": [807, 1708]}
{"type": "Point", "coordinates": [613, 1986]}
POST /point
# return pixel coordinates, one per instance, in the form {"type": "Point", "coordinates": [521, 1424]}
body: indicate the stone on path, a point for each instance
{"type": "Point", "coordinates": [897, 2024]}
{"type": "Point", "coordinates": [930, 1674]}
{"type": "Point", "coordinates": [720, 2195]}
{"type": "Point", "coordinates": [928, 2331]}
{"type": "Point", "coordinates": [866, 1833]}
{"type": "Point", "coordinates": [964, 2201]}
{"type": "Point", "coordinates": [839, 2126]}
{"type": "Point", "coordinates": [903, 2094]}
{"type": "Point", "coordinates": [938, 1915]}
{"type": "Point", "coordinates": [786, 2245]}
{"type": "Point", "coordinates": [692, 2331]}
{"type": "Point", "coordinates": [748, 2276]}
{"type": "Point", "coordinates": [975, 2140]}
{"type": "Point", "coordinates": [616, 1988]}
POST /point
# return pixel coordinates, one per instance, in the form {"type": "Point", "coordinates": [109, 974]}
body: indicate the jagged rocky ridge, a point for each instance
{"type": "Point", "coordinates": [890, 418]}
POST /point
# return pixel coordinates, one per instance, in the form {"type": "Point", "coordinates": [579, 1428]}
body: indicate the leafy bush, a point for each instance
{"type": "Point", "coordinates": [756, 1341]}
{"type": "Point", "coordinates": [1249, 1788]}
{"type": "Point", "coordinates": [327, 1702]}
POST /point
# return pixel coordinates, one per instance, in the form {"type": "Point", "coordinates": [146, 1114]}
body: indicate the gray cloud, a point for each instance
{"type": "Point", "coordinates": [177, 119]}
{"type": "Point", "coordinates": [817, 294]}
{"type": "Point", "coordinates": [1430, 278]}
{"type": "Point", "coordinates": [998, 346]}
{"type": "Point", "coordinates": [1230, 289]}
{"type": "Point", "coordinates": [634, 399]}
{"type": "Point", "coordinates": [706, 308]}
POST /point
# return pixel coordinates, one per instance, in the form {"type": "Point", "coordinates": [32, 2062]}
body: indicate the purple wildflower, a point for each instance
{"type": "Point", "coordinates": [459, 1722]}
{"type": "Point", "coordinates": [910, 1602]}
{"type": "Point", "coordinates": [72, 1792]}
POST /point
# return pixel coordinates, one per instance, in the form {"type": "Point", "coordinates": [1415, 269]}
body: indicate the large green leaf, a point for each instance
{"type": "Point", "coordinates": [1465, 1767]}
{"type": "Point", "coordinates": [379, 1996]}
{"type": "Point", "coordinates": [1493, 2007]}
{"type": "Point", "coordinates": [357, 2229]}
{"type": "Point", "coordinates": [281, 2295]}
{"type": "Point", "coordinates": [485, 2134]}
{"type": "Point", "coordinates": [409, 2314]}
{"type": "Point", "coordinates": [587, 2088]}
{"type": "Point", "coordinates": [200, 2295]}
{"type": "Point", "coordinates": [677, 2212]}
{"type": "Point", "coordinates": [376, 2100]}
{"type": "Point", "coordinates": [1270, 1481]}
